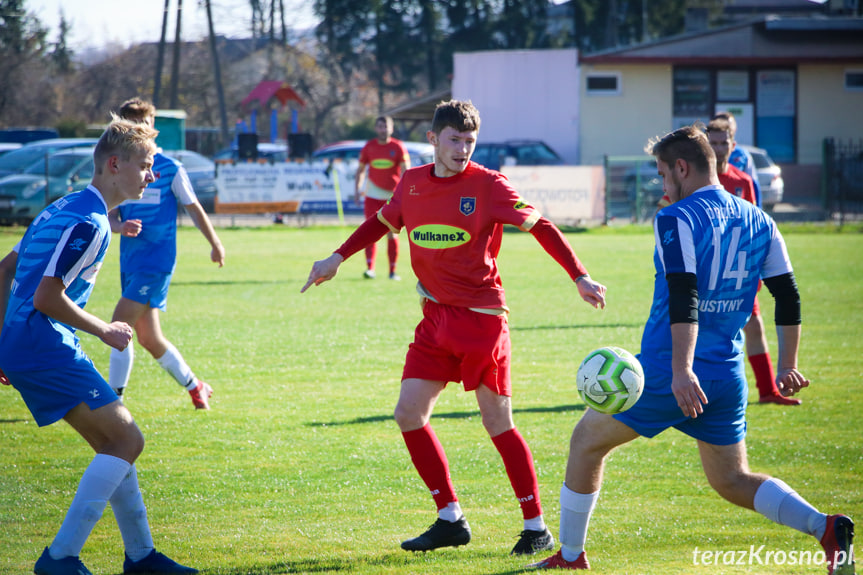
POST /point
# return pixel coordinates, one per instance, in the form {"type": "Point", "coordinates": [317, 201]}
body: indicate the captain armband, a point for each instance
{"type": "Point", "coordinates": [682, 298]}
{"type": "Point", "coordinates": [783, 288]}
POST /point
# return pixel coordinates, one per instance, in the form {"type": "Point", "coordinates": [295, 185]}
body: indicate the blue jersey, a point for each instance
{"type": "Point", "coordinates": [729, 245]}
{"type": "Point", "coordinates": [742, 160]}
{"type": "Point", "coordinates": [67, 240]}
{"type": "Point", "coordinates": [155, 248]}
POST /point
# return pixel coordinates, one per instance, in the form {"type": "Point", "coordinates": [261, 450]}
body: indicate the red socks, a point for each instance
{"type": "Point", "coordinates": [430, 461]}
{"type": "Point", "coordinates": [518, 461]}
{"type": "Point", "coordinates": [765, 377]}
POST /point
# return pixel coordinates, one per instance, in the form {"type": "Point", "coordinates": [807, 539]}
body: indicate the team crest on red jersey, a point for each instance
{"type": "Point", "coordinates": [467, 206]}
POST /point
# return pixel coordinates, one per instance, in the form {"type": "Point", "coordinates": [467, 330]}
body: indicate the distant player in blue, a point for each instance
{"type": "Point", "coordinates": [711, 250]}
{"type": "Point", "coordinates": [740, 157]}
{"type": "Point", "coordinates": [55, 267]}
{"type": "Point", "coordinates": [148, 254]}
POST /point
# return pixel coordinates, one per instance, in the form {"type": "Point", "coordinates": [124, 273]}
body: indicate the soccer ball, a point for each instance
{"type": "Point", "coordinates": [610, 380]}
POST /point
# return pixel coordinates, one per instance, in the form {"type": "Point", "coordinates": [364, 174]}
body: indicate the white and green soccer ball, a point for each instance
{"type": "Point", "coordinates": [610, 380]}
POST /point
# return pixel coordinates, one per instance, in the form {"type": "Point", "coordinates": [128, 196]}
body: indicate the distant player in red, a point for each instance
{"type": "Point", "coordinates": [386, 159]}
{"type": "Point", "coordinates": [720, 134]}
{"type": "Point", "coordinates": [454, 212]}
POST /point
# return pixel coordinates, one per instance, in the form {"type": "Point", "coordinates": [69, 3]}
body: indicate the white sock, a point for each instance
{"type": "Point", "coordinates": [120, 367]}
{"type": "Point", "coordinates": [173, 363]}
{"type": "Point", "coordinates": [131, 515]}
{"type": "Point", "coordinates": [98, 483]}
{"type": "Point", "coordinates": [452, 512]}
{"type": "Point", "coordinates": [776, 501]}
{"type": "Point", "coordinates": [535, 524]}
{"type": "Point", "coordinates": [575, 511]}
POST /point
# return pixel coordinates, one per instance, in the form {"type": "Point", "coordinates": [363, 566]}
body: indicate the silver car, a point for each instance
{"type": "Point", "coordinates": [769, 177]}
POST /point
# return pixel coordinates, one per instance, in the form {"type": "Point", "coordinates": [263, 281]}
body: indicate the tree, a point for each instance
{"type": "Point", "coordinates": [22, 69]}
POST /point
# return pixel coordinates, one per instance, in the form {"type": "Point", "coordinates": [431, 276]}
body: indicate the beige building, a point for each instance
{"type": "Point", "coordinates": [790, 82]}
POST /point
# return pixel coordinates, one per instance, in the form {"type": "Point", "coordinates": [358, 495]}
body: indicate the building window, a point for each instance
{"type": "Point", "coordinates": [854, 80]}
{"type": "Point", "coordinates": [603, 83]}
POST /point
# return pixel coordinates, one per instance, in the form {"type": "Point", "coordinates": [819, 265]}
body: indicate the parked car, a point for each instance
{"type": "Point", "coordinates": [493, 155]}
{"type": "Point", "coordinates": [270, 151]}
{"type": "Point", "coordinates": [202, 174]}
{"type": "Point", "coordinates": [644, 189]}
{"type": "Point", "coordinates": [22, 196]}
{"type": "Point", "coordinates": [769, 177]}
{"type": "Point", "coordinates": [8, 147]}
{"type": "Point", "coordinates": [420, 152]}
{"type": "Point", "coordinates": [19, 160]}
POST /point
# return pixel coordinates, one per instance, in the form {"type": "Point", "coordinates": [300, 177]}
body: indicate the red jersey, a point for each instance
{"type": "Point", "coordinates": [384, 161]}
{"type": "Point", "coordinates": [738, 183]}
{"type": "Point", "coordinates": [455, 227]}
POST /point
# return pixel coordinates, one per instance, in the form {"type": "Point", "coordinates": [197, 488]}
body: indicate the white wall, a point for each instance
{"type": "Point", "coordinates": [523, 94]}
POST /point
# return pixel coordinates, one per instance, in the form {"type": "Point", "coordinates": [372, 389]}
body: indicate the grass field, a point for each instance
{"type": "Point", "coordinates": [299, 467]}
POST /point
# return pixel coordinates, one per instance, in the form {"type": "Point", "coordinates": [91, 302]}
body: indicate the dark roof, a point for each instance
{"type": "Point", "coordinates": [421, 109]}
{"type": "Point", "coordinates": [764, 40]}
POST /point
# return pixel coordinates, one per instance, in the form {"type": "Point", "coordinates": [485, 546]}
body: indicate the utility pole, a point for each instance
{"type": "Point", "coordinates": [160, 58]}
{"type": "Point", "coordinates": [219, 90]}
{"type": "Point", "coordinates": [175, 67]}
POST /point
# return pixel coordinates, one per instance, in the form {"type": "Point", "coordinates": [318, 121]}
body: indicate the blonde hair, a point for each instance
{"type": "Point", "coordinates": [124, 138]}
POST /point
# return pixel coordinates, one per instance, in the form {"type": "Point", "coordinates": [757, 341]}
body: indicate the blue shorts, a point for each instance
{"type": "Point", "coordinates": [51, 393]}
{"type": "Point", "coordinates": [148, 288]}
{"type": "Point", "coordinates": [722, 423]}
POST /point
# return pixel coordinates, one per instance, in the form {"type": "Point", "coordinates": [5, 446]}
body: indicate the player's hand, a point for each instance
{"type": "Point", "coordinates": [217, 254]}
{"type": "Point", "coordinates": [790, 381]}
{"type": "Point", "coordinates": [690, 397]}
{"type": "Point", "coordinates": [118, 335]}
{"type": "Point", "coordinates": [323, 270]}
{"type": "Point", "coordinates": [3, 379]}
{"type": "Point", "coordinates": [131, 228]}
{"type": "Point", "coordinates": [591, 291]}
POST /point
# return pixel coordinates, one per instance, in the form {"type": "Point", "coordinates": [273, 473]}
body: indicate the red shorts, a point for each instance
{"type": "Point", "coordinates": [371, 206]}
{"type": "Point", "coordinates": [756, 309]}
{"type": "Point", "coordinates": [457, 344]}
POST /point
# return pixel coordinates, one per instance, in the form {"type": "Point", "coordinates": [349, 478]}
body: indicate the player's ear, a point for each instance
{"type": "Point", "coordinates": [431, 137]}
{"type": "Point", "coordinates": [682, 167]}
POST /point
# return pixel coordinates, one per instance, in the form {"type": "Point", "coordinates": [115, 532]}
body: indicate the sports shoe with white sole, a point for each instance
{"type": "Point", "coordinates": [201, 394]}
{"type": "Point", "coordinates": [442, 533]}
{"type": "Point", "coordinates": [838, 543]}
{"type": "Point", "coordinates": [557, 561]}
{"type": "Point", "coordinates": [531, 542]}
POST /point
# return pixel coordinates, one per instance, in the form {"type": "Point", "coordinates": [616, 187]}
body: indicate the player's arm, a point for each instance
{"type": "Point", "coordinates": [128, 228]}
{"type": "Point", "coordinates": [7, 274]}
{"type": "Point", "coordinates": [788, 320]}
{"type": "Point", "coordinates": [359, 180]}
{"type": "Point", "coordinates": [555, 244]}
{"type": "Point", "coordinates": [51, 299]}
{"type": "Point", "coordinates": [203, 223]}
{"type": "Point", "coordinates": [683, 317]}
{"type": "Point", "coordinates": [368, 233]}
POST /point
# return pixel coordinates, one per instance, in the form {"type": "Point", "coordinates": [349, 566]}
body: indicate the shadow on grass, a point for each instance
{"type": "Point", "coordinates": [389, 561]}
{"type": "Point", "coordinates": [13, 421]}
{"type": "Point", "coordinates": [225, 283]}
{"type": "Point", "coordinates": [579, 326]}
{"type": "Point", "coordinates": [450, 415]}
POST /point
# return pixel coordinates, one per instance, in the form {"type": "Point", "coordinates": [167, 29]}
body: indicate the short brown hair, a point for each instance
{"type": "Point", "coordinates": [136, 110]}
{"type": "Point", "coordinates": [720, 124]}
{"type": "Point", "coordinates": [725, 115]}
{"type": "Point", "coordinates": [123, 138]}
{"type": "Point", "coordinates": [460, 115]}
{"type": "Point", "coordinates": [688, 143]}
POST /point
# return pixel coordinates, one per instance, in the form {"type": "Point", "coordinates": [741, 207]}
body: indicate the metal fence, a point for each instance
{"type": "Point", "coordinates": [632, 188]}
{"type": "Point", "coordinates": [842, 186]}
